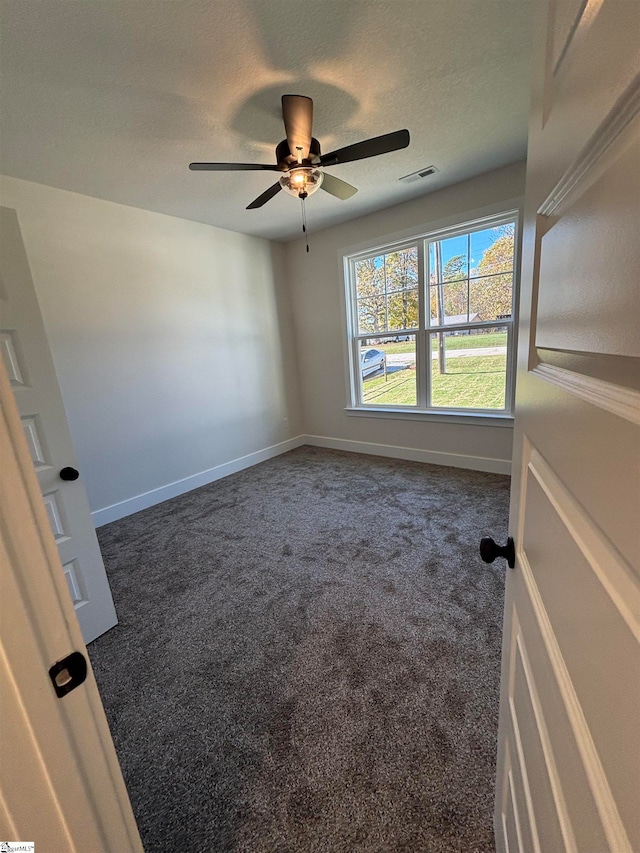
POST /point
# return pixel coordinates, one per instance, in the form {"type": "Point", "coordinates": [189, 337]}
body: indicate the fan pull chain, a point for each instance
{"type": "Point", "coordinates": [304, 221]}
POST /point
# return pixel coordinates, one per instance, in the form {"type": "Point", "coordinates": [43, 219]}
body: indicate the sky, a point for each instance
{"type": "Point", "coordinates": [478, 243]}
{"type": "Point", "coordinates": [475, 244]}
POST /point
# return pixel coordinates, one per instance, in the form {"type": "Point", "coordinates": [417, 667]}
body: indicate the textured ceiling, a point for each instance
{"type": "Point", "coordinates": [114, 99]}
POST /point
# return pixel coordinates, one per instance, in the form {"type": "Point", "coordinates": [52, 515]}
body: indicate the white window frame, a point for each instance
{"type": "Point", "coordinates": [422, 333]}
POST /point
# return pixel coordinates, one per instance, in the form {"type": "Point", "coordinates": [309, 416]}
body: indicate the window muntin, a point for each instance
{"type": "Point", "coordinates": [440, 308]}
{"type": "Point", "coordinates": [471, 276]}
{"type": "Point", "coordinates": [386, 291]}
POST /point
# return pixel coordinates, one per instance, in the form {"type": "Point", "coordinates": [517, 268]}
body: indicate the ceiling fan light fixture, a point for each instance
{"type": "Point", "coordinates": [302, 182]}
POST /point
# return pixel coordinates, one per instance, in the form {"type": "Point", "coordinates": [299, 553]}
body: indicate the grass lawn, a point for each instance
{"type": "Point", "coordinates": [476, 382]}
{"type": "Point", "coordinates": [399, 388]}
{"type": "Point", "coordinates": [490, 339]}
{"type": "Point", "coordinates": [471, 382]}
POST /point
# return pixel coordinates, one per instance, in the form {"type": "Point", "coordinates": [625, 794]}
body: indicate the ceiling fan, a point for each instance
{"type": "Point", "coordinates": [300, 160]}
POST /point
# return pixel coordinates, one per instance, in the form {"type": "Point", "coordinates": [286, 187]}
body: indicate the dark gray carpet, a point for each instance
{"type": "Point", "coordinates": [308, 658]}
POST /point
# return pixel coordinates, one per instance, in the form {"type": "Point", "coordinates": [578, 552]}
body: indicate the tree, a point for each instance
{"type": "Point", "coordinates": [492, 297]}
{"type": "Point", "coordinates": [455, 268]}
{"type": "Point", "coordinates": [387, 289]}
{"type": "Point", "coordinates": [401, 270]}
{"type": "Point", "coordinates": [371, 295]}
{"type": "Point", "coordinates": [454, 294]}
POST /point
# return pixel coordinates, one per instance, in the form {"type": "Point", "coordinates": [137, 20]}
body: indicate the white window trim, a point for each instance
{"type": "Point", "coordinates": [474, 220]}
{"type": "Point", "coordinates": [451, 416]}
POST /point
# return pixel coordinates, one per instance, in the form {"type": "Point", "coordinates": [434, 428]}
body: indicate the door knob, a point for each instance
{"type": "Point", "coordinates": [69, 474]}
{"type": "Point", "coordinates": [489, 550]}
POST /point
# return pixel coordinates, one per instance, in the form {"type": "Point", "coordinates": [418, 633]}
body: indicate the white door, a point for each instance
{"type": "Point", "coordinates": [60, 782]}
{"type": "Point", "coordinates": [30, 368]}
{"type": "Point", "coordinates": [569, 739]}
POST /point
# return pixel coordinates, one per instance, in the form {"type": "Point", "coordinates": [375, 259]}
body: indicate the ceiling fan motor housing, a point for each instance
{"type": "Point", "coordinates": [286, 158]}
{"type": "Point", "coordinates": [300, 161]}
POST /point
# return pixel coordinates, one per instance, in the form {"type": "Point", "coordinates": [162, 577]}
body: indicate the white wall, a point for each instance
{"type": "Point", "coordinates": [175, 342]}
{"type": "Point", "coordinates": [172, 340]}
{"type": "Point", "coordinates": [316, 290]}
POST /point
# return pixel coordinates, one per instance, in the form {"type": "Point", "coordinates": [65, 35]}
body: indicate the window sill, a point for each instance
{"type": "Point", "coordinates": [502, 419]}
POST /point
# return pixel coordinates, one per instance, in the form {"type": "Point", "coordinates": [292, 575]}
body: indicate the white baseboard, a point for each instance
{"type": "Point", "coordinates": [172, 490]}
{"type": "Point", "coordinates": [433, 457]}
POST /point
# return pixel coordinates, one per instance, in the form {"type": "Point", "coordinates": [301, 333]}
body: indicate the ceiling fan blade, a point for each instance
{"type": "Point", "coordinates": [264, 198]}
{"type": "Point", "coordinates": [340, 189]}
{"type": "Point", "coordinates": [369, 148]}
{"type": "Point", "coordinates": [297, 112]}
{"type": "Point", "coordinates": [232, 167]}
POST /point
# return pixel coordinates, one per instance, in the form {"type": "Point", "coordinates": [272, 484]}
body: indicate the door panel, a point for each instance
{"type": "Point", "coordinates": [560, 808]}
{"type": "Point", "coordinates": [572, 429]}
{"type": "Point", "coordinates": [568, 756]}
{"type": "Point", "coordinates": [527, 716]}
{"type": "Point", "coordinates": [513, 805]}
{"type": "Point", "coordinates": [55, 514]}
{"type": "Point", "coordinates": [596, 55]}
{"type": "Point", "coordinates": [573, 261]}
{"type": "Point", "coordinates": [9, 354]}
{"type": "Point", "coordinates": [60, 782]}
{"type": "Point", "coordinates": [579, 585]}
{"type": "Point", "coordinates": [26, 356]}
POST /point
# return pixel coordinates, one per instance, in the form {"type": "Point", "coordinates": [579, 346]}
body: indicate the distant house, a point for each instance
{"type": "Point", "coordinates": [453, 320]}
{"type": "Point", "coordinates": [457, 319]}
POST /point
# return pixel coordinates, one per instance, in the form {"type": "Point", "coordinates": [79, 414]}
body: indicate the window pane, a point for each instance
{"type": "Point", "coordinates": [402, 309]}
{"type": "Point", "coordinates": [402, 269]}
{"type": "Point", "coordinates": [490, 298]}
{"type": "Point", "coordinates": [449, 303]}
{"type": "Point", "coordinates": [372, 314]}
{"type": "Point", "coordinates": [469, 369]}
{"type": "Point", "coordinates": [468, 282]}
{"type": "Point", "coordinates": [492, 250]}
{"type": "Point", "coordinates": [369, 277]}
{"type": "Point", "coordinates": [388, 371]}
{"type": "Point", "coordinates": [449, 259]}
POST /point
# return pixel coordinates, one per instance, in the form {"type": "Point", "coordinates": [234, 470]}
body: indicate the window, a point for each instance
{"type": "Point", "coordinates": [431, 321]}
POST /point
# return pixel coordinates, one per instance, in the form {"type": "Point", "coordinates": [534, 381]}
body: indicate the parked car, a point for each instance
{"type": "Point", "coordinates": [398, 338]}
{"type": "Point", "coordinates": [372, 360]}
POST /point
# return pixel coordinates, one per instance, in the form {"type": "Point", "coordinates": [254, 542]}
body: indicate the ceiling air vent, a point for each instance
{"type": "Point", "coordinates": [417, 176]}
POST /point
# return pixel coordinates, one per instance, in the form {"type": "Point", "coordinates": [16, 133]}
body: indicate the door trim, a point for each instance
{"type": "Point", "coordinates": [621, 115]}
{"type": "Point", "coordinates": [620, 401]}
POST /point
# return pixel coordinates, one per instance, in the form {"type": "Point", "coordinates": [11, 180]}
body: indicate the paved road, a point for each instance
{"type": "Point", "coordinates": [405, 358]}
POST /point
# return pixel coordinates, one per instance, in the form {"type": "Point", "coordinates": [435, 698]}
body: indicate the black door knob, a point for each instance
{"type": "Point", "coordinates": [69, 474]}
{"type": "Point", "coordinates": [489, 550]}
